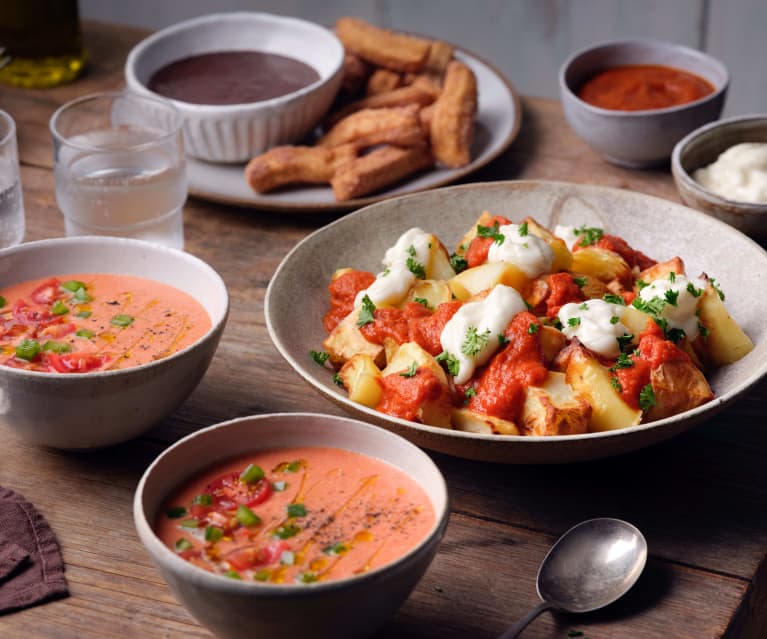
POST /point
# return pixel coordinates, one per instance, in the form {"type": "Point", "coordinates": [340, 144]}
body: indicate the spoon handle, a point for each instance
{"type": "Point", "coordinates": [518, 627]}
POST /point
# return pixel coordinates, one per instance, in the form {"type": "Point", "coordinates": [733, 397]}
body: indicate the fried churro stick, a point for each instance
{"type": "Point", "coordinates": [414, 94]}
{"type": "Point", "coordinates": [383, 81]}
{"type": "Point", "coordinates": [356, 73]}
{"type": "Point", "coordinates": [382, 47]}
{"type": "Point", "coordinates": [440, 54]}
{"type": "Point", "coordinates": [397, 125]}
{"type": "Point", "coordinates": [424, 116]}
{"type": "Point", "coordinates": [296, 165]}
{"type": "Point", "coordinates": [382, 167]}
{"type": "Point", "coordinates": [452, 123]}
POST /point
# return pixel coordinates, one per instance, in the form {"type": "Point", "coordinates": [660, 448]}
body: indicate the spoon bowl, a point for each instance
{"type": "Point", "coordinates": [590, 566]}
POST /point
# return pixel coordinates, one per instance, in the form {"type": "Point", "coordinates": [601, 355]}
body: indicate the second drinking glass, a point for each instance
{"type": "Point", "coordinates": [120, 168]}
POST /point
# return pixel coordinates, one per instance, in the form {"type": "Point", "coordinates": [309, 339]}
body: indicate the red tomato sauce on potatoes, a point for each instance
{"type": "Point", "coordinates": [562, 290]}
{"type": "Point", "coordinates": [343, 290]}
{"type": "Point", "coordinates": [95, 322]}
{"type": "Point", "coordinates": [296, 515]}
{"type": "Point", "coordinates": [637, 87]}
{"type": "Point", "coordinates": [652, 351]}
{"type": "Point", "coordinates": [477, 252]}
{"type": "Point", "coordinates": [500, 390]}
{"type": "Point", "coordinates": [404, 395]}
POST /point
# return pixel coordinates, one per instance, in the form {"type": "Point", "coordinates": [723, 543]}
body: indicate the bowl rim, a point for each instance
{"type": "Point", "coordinates": [189, 572]}
{"type": "Point", "coordinates": [11, 128]}
{"type": "Point", "coordinates": [545, 440]}
{"type": "Point", "coordinates": [565, 89]}
{"type": "Point", "coordinates": [683, 176]}
{"type": "Point", "coordinates": [215, 325]}
{"type": "Point", "coordinates": [230, 16]}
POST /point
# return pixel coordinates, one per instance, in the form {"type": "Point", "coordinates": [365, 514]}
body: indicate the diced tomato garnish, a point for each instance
{"type": "Point", "coordinates": [192, 553]}
{"type": "Point", "coordinates": [28, 315]}
{"type": "Point", "coordinates": [47, 292]}
{"type": "Point", "coordinates": [228, 492]}
{"type": "Point", "coordinates": [57, 331]}
{"type": "Point", "coordinates": [250, 556]}
{"type": "Point", "coordinates": [74, 362]}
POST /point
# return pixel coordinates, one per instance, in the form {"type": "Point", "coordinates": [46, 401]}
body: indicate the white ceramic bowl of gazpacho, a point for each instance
{"type": "Point", "coordinates": [235, 132]}
{"type": "Point", "coordinates": [102, 337]}
{"type": "Point", "coordinates": [295, 591]}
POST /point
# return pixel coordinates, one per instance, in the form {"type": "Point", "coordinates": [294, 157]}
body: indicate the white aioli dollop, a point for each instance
{"type": "Point", "coordinates": [393, 283]}
{"type": "Point", "coordinates": [681, 313]}
{"type": "Point", "coordinates": [740, 173]}
{"type": "Point", "coordinates": [489, 317]}
{"type": "Point", "coordinates": [530, 253]}
{"type": "Point", "coordinates": [593, 324]}
{"type": "Point", "coordinates": [567, 233]}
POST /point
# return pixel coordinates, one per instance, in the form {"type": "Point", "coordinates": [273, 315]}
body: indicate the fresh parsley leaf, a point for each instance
{"type": "Point", "coordinates": [672, 277]}
{"type": "Point", "coordinates": [623, 361]}
{"type": "Point", "coordinates": [614, 299]}
{"type": "Point", "coordinates": [717, 288]}
{"type": "Point", "coordinates": [337, 380]}
{"type": "Point", "coordinates": [671, 297]}
{"type": "Point", "coordinates": [647, 398]}
{"type": "Point", "coordinates": [451, 362]}
{"type": "Point", "coordinates": [652, 306]}
{"type": "Point", "coordinates": [416, 268]}
{"type": "Point", "coordinates": [533, 328]}
{"type": "Point", "coordinates": [366, 312]}
{"type": "Point", "coordinates": [523, 229]}
{"type": "Point", "coordinates": [410, 372]}
{"type": "Point", "coordinates": [624, 340]}
{"type": "Point", "coordinates": [422, 301]}
{"type": "Point", "coordinates": [458, 262]}
{"type": "Point", "coordinates": [588, 235]}
{"type": "Point", "coordinates": [470, 392]}
{"type": "Point", "coordinates": [556, 323]}
{"type": "Point", "coordinates": [703, 330]}
{"type": "Point", "coordinates": [320, 357]}
{"type": "Point", "coordinates": [502, 339]}
{"type": "Point", "coordinates": [695, 292]}
{"type": "Point", "coordinates": [615, 319]}
{"type": "Point", "coordinates": [616, 384]}
{"type": "Point", "coordinates": [574, 321]}
{"type": "Point", "coordinates": [474, 341]}
{"type": "Point", "coordinates": [675, 334]}
{"type": "Point", "coordinates": [488, 231]}
{"type": "Point", "coordinates": [584, 307]}
{"type": "Point", "coordinates": [641, 284]}
{"type": "Point", "coordinates": [580, 282]}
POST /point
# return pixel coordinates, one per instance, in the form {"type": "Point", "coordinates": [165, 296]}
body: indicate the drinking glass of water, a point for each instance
{"type": "Point", "coordinates": [11, 204]}
{"type": "Point", "coordinates": [120, 169]}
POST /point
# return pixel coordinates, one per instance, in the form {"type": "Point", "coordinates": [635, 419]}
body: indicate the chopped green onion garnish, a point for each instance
{"type": "Point", "coordinates": [59, 308]}
{"type": "Point", "coordinates": [213, 533]}
{"type": "Point", "coordinates": [262, 575]}
{"type": "Point", "coordinates": [232, 574]}
{"type": "Point", "coordinates": [122, 320]}
{"type": "Point", "coordinates": [288, 467]}
{"type": "Point", "coordinates": [84, 332]}
{"type": "Point", "coordinates": [279, 486]}
{"type": "Point", "coordinates": [247, 517]}
{"type": "Point", "coordinates": [296, 510]}
{"type": "Point", "coordinates": [28, 349]}
{"type": "Point", "coordinates": [57, 347]}
{"type": "Point", "coordinates": [84, 314]}
{"type": "Point", "coordinates": [72, 285]}
{"type": "Point", "coordinates": [183, 544]}
{"type": "Point", "coordinates": [189, 523]}
{"type": "Point", "coordinates": [286, 532]}
{"type": "Point", "coordinates": [81, 295]}
{"type": "Point", "coordinates": [307, 577]}
{"type": "Point", "coordinates": [252, 474]}
{"type": "Point", "coordinates": [287, 558]}
{"type": "Point", "coordinates": [175, 512]}
{"type": "Point", "coordinates": [2, 301]}
{"type": "Point", "coordinates": [335, 549]}
{"type": "Point", "coordinates": [203, 500]}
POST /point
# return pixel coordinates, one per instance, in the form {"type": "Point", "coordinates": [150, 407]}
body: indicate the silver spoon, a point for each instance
{"type": "Point", "coordinates": [590, 566]}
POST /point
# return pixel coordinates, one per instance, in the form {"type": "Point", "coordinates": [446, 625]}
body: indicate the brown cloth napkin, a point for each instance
{"type": "Point", "coordinates": [31, 568]}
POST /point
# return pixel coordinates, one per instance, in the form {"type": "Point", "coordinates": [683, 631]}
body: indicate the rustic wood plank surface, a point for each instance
{"type": "Point", "coordinates": [700, 498]}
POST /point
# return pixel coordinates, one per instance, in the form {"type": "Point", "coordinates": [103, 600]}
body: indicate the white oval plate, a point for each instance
{"type": "Point", "coordinates": [498, 121]}
{"type": "Point", "coordinates": [297, 297]}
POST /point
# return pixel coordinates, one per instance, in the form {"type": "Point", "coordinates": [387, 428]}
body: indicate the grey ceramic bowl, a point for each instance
{"type": "Point", "coordinates": [702, 147]}
{"type": "Point", "coordinates": [659, 228]}
{"type": "Point", "coordinates": [639, 138]}
{"type": "Point", "coordinates": [96, 409]}
{"type": "Point", "coordinates": [344, 609]}
{"type": "Point", "coordinates": [237, 132]}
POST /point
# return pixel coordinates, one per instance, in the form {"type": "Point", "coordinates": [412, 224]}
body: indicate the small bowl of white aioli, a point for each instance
{"type": "Point", "coordinates": [721, 169]}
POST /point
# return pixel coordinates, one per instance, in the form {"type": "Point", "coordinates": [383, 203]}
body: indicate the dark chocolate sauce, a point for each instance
{"type": "Point", "coordinates": [231, 77]}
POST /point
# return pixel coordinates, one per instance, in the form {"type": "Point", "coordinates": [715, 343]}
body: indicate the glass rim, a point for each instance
{"type": "Point", "coordinates": [114, 95]}
{"type": "Point", "coordinates": [4, 115]}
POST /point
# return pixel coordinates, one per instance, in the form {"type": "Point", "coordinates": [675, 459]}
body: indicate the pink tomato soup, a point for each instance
{"type": "Point", "coordinates": [78, 323]}
{"type": "Point", "coordinates": [296, 515]}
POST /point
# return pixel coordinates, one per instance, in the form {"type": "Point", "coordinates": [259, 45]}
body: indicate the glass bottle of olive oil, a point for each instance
{"type": "Point", "coordinates": [41, 44]}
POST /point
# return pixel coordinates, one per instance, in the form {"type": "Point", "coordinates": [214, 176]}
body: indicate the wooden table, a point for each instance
{"type": "Point", "coordinates": [701, 499]}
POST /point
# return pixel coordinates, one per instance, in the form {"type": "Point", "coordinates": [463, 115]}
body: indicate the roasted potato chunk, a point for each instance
{"type": "Point", "coordinates": [554, 409]}
{"type": "Point", "coordinates": [473, 422]}
{"type": "Point", "coordinates": [361, 376]}
{"type": "Point", "coordinates": [345, 341]}
{"type": "Point", "coordinates": [562, 256]}
{"type": "Point", "coordinates": [605, 265]}
{"type": "Point", "coordinates": [486, 276]}
{"type": "Point", "coordinates": [726, 342]}
{"type": "Point", "coordinates": [677, 386]}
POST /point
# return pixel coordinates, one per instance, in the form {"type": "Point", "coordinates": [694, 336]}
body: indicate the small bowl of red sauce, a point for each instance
{"type": "Point", "coordinates": [243, 81]}
{"type": "Point", "coordinates": [633, 100]}
{"type": "Point", "coordinates": [292, 525]}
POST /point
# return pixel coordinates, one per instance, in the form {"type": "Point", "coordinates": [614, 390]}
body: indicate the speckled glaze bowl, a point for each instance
{"type": "Point", "coordinates": [638, 139]}
{"type": "Point", "coordinates": [702, 147]}
{"type": "Point", "coordinates": [237, 132]}
{"type": "Point", "coordinates": [101, 408]}
{"type": "Point", "coordinates": [659, 228]}
{"type": "Point", "coordinates": [349, 608]}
